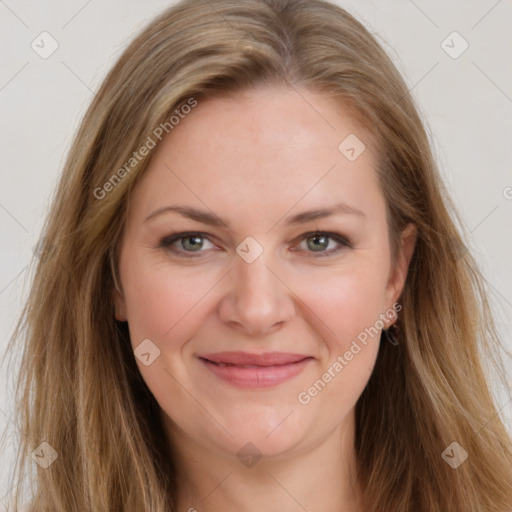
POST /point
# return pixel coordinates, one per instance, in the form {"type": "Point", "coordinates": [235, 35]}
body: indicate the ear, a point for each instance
{"type": "Point", "coordinates": [398, 273]}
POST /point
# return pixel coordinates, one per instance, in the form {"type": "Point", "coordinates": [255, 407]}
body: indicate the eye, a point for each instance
{"type": "Point", "coordinates": [188, 243]}
{"type": "Point", "coordinates": [191, 242]}
{"type": "Point", "coordinates": [319, 241]}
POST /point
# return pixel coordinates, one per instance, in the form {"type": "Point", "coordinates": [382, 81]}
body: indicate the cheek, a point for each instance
{"type": "Point", "coordinates": [164, 304]}
{"type": "Point", "coordinates": [347, 300]}
{"type": "Point", "coordinates": [161, 299]}
{"type": "Point", "coordinates": [349, 306]}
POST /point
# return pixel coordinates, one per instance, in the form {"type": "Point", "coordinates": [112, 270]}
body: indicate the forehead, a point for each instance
{"type": "Point", "coordinates": [271, 119]}
{"type": "Point", "coordinates": [268, 148]}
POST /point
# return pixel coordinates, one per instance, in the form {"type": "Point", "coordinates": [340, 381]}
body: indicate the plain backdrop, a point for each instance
{"type": "Point", "coordinates": [464, 97]}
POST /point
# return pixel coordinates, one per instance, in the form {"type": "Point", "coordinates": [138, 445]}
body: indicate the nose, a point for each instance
{"type": "Point", "coordinates": [258, 300]}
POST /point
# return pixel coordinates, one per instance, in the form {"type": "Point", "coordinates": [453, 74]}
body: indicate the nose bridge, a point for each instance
{"type": "Point", "coordinates": [256, 286]}
{"type": "Point", "coordinates": [255, 278]}
{"type": "Point", "coordinates": [257, 299]}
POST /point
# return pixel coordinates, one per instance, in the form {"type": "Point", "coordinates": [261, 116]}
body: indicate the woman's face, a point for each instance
{"type": "Point", "coordinates": [253, 327]}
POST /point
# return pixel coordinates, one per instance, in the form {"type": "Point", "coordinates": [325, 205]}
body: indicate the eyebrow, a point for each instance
{"type": "Point", "coordinates": [213, 220]}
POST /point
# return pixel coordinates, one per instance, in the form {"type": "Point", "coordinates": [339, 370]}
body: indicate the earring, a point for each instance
{"type": "Point", "coordinates": [393, 333]}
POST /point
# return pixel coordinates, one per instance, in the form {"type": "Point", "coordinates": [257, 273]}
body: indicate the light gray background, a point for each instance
{"type": "Point", "coordinates": [466, 101]}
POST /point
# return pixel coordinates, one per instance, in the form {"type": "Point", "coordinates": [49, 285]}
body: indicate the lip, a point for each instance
{"type": "Point", "coordinates": [246, 370]}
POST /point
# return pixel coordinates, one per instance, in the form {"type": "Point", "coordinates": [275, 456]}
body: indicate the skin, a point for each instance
{"type": "Point", "coordinates": [253, 160]}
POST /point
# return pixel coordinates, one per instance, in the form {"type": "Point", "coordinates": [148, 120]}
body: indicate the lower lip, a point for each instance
{"type": "Point", "coordinates": [256, 376]}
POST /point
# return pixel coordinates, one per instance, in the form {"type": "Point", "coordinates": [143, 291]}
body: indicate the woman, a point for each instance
{"type": "Point", "coordinates": [252, 293]}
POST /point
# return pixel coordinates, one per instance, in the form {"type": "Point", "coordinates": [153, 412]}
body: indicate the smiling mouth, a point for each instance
{"type": "Point", "coordinates": [245, 365]}
{"type": "Point", "coordinates": [246, 370]}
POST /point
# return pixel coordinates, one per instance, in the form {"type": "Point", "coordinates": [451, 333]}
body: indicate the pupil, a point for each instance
{"type": "Point", "coordinates": [197, 243]}
{"type": "Point", "coordinates": [324, 243]}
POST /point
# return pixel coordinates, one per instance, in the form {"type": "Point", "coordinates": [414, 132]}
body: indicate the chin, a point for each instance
{"type": "Point", "coordinates": [269, 431]}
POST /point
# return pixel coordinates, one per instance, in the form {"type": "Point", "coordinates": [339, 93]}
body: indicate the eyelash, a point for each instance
{"type": "Point", "coordinates": [167, 242]}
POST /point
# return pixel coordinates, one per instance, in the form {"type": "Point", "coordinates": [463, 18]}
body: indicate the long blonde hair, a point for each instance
{"type": "Point", "coordinates": [79, 388]}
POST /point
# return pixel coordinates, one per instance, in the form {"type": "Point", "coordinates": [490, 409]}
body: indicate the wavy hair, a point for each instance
{"type": "Point", "coordinates": [79, 388]}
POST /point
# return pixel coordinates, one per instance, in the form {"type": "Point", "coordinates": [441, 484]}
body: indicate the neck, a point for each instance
{"type": "Point", "coordinates": [319, 477]}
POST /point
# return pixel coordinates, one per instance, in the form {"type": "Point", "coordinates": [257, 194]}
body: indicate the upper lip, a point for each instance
{"type": "Point", "coordinates": [246, 358]}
